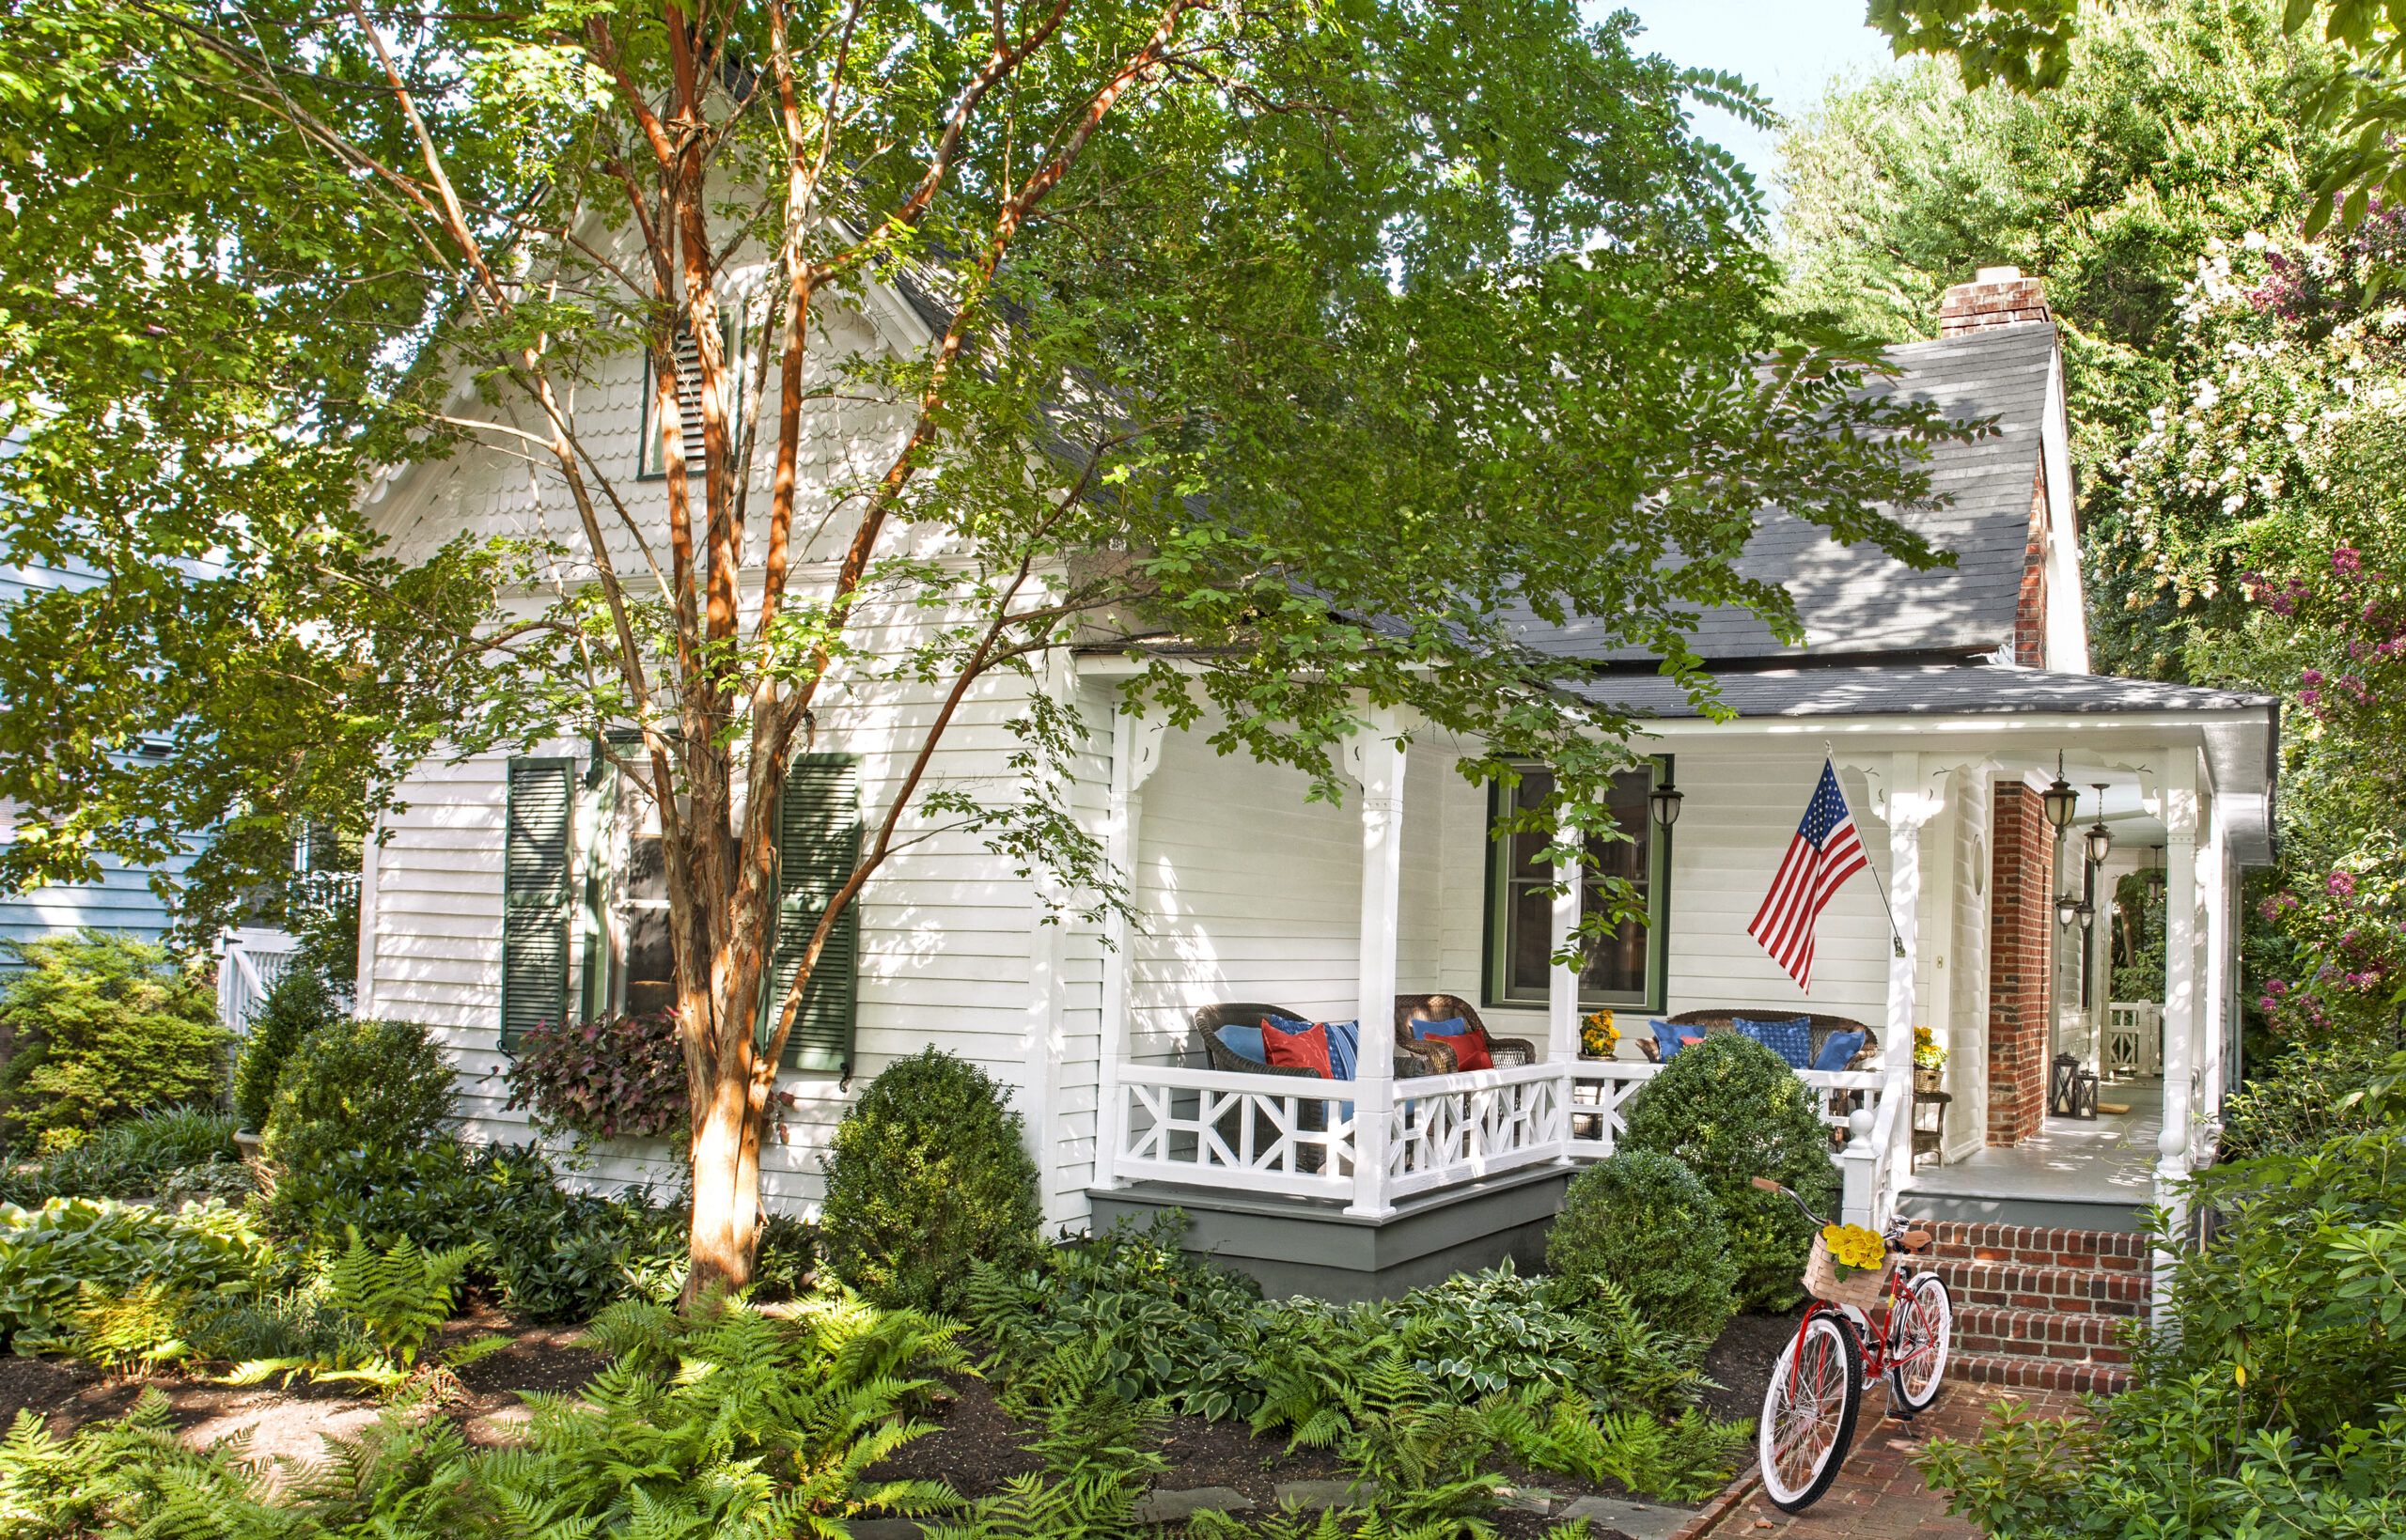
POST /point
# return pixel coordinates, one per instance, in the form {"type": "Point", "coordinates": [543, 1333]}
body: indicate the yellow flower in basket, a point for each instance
{"type": "Point", "coordinates": [1854, 1248]}
{"type": "Point", "coordinates": [1598, 1035]}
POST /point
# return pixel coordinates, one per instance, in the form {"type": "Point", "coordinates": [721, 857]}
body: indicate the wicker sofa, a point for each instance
{"type": "Point", "coordinates": [1411, 1008]}
{"type": "Point", "coordinates": [1725, 1017]}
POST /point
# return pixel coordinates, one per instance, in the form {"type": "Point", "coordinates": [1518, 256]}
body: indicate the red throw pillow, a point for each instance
{"type": "Point", "coordinates": [1470, 1050]}
{"type": "Point", "coordinates": [1305, 1049]}
{"type": "Point", "coordinates": [1690, 1042]}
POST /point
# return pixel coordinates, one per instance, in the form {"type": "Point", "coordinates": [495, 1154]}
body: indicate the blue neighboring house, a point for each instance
{"type": "Point", "coordinates": [122, 898]}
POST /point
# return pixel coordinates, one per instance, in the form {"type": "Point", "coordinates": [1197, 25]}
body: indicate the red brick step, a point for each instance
{"type": "Point", "coordinates": [2015, 1285]}
{"type": "Point", "coordinates": [2101, 1249]}
{"type": "Point", "coordinates": [2038, 1374]}
{"type": "Point", "coordinates": [2062, 1336]}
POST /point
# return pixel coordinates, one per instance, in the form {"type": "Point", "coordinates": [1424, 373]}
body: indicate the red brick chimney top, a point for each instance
{"type": "Point", "coordinates": [1994, 297]}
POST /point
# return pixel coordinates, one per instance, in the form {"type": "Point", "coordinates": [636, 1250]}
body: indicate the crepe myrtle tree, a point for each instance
{"type": "Point", "coordinates": [1291, 346]}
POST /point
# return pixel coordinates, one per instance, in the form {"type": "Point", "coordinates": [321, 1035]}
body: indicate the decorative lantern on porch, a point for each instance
{"type": "Point", "coordinates": [2061, 800]}
{"type": "Point", "coordinates": [2063, 1088]}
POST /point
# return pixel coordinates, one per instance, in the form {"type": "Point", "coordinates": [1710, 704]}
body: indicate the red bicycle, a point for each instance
{"type": "Point", "coordinates": [1817, 1387]}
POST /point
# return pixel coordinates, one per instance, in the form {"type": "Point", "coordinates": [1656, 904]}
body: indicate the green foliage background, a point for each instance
{"type": "Point", "coordinates": [99, 1025]}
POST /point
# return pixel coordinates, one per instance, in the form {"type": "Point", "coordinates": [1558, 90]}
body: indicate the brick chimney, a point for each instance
{"type": "Point", "coordinates": [1994, 297]}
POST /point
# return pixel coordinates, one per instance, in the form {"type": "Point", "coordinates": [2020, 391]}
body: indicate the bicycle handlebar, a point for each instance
{"type": "Point", "coordinates": [1899, 1237]}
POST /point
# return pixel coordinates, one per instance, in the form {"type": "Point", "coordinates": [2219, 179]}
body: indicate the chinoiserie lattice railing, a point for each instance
{"type": "Point", "coordinates": [1280, 1134]}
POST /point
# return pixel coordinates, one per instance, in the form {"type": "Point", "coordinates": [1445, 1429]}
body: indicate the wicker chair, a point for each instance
{"type": "Point", "coordinates": [1314, 1118]}
{"type": "Point", "coordinates": [1433, 1050]}
{"type": "Point", "coordinates": [1818, 1027]}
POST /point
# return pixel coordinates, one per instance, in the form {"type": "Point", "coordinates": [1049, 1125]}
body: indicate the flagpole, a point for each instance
{"type": "Point", "coordinates": [1896, 937]}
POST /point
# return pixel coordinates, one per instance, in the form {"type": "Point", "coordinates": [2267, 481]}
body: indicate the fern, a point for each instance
{"type": "Point", "coordinates": [400, 1296]}
{"type": "Point", "coordinates": [1684, 1460]}
{"type": "Point", "coordinates": [139, 1331]}
{"type": "Point", "coordinates": [1101, 1451]}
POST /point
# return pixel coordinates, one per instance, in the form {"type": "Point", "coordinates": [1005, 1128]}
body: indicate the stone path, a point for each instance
{"type": "Point", "coordinates": [1879, 1494]}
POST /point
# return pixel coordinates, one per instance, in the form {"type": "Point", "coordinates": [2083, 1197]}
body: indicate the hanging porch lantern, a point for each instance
{"type": "Point", "coordinates": [2099, 841]}
{"type": "Point", "coordinates": [2061, 800]}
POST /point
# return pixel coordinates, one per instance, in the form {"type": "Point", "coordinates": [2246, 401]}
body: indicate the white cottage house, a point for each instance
{"type": "Point", "coordinates": [1949, 701]}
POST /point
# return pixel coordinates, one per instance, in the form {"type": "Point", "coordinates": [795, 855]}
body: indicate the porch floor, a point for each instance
{"type": "Point", "coordinates": [2073, 1173]}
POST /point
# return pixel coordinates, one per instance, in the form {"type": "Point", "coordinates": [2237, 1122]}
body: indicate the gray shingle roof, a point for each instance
{"type": "Point", "coordinates": [1860, 600]}
{"type": "Point", "coordinates": [1913, 689]}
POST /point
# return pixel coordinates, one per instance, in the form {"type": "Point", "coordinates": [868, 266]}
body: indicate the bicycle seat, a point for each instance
{"type": "Point", "coordinates": [1914, 1241]}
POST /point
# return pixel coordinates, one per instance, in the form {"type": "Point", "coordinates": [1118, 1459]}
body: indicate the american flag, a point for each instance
{"type": "Point", "coordinates": [1824, 853]}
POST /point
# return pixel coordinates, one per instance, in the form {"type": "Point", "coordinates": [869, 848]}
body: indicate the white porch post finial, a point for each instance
{"type": "Point", "coordinates": [1376, 755]}
{"type": "Point", "coordinates": [2180, 996]}
{"type": "Point", "coordinates": [1135, 750]}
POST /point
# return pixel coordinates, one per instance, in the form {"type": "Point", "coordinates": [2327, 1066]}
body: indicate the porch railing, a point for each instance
{"type": "Point", "coordinates": [1281, 1135]}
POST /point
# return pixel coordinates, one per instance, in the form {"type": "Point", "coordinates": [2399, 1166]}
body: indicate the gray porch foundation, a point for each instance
{"type": "Point", "coordinates": [1313, 1247]}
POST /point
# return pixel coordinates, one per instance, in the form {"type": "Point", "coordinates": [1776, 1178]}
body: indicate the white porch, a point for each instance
{"type": "Point", "coordinates": [1248, 893]}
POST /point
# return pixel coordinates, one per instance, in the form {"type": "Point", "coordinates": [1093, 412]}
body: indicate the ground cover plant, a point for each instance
{"type": "Point", "coordinates": [96, 1026]}
{"type": "Point", "coordinates": [166, 1154]}
{"type": "Point", "coordinates": [1488, 1363]}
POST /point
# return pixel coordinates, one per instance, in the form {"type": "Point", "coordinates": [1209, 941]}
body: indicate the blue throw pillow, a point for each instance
{"type": "Point", "coordinates": [1839, 1049]}
{"type": "Point", "coordinates": [1792, 1040]}
{"type": "Point", "coordinates": [1667, 1038]}
{"type": "Point", "coordinates": [1244, 1042]}
{"type": "Point", "coordinates": [1452, 1026]}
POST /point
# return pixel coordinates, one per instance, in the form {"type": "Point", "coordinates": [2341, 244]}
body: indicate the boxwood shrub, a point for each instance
{"type": "Point", "coordinates": [1645, 1222]}
{"type": "Point", "coordinates": [1730, 1109]}
{"type": "Point", "coordinates": [928, 1173]}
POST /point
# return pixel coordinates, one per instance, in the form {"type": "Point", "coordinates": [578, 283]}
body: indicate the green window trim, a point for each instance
{"type": "Point", "coordinates": [538, 859]}
{"type": "Point", "coordinates": [1496, 976]}
{"type": "Point", "coordinates": [819, 844]}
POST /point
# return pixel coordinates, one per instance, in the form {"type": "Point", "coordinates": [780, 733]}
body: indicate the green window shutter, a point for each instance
{"type": "Point", "coordinates": [535, 904]}
{"type": "Point", "coordinates": [819, 843]}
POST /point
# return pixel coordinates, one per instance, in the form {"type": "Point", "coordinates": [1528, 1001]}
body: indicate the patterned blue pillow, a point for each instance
{"type": "Point", "coordinates": [1792, 1040]}
{"type": "Point", "coordinates": [1451, 1026]}
{"type": "Point", "coordinates": [1344, 1043]}
{"type": "Point", "coordinates": [1667, 1038]}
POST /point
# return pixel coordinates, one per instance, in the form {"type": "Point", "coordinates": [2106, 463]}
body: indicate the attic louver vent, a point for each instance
{"type": "Point", "coordinates": [689, 400]}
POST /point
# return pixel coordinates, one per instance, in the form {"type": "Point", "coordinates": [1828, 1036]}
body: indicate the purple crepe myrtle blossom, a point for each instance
{"type": "Point", "coordinates": [2341, 884]}
{"type": "Point", "coordinates": [2347, 560]}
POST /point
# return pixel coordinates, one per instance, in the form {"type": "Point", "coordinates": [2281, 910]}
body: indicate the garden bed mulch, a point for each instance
{"type": "Point", "coordinates": [975, 1445]}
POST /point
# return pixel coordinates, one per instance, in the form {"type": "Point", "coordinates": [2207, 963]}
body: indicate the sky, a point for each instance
{"type": "Point", "coordinates": [1787, 49]}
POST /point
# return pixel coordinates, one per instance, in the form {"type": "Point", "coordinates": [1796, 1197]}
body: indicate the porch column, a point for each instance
{"type": "Point", "coordinates": [1135, 750]}
{"type": "Point", "coordinates": [2213, 1017]}
{"type": "Point", "coordinates": [1376, 756]}
{"type": "Point", "coordinates": [1562, 983]}
{"type": "Point", "coordinates": [2180, 994]}
{"type": "Point", "coordinates": [1911, 805]}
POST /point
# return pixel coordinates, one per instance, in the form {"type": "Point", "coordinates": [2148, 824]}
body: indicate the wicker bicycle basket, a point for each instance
{"type": "Point", "coordinates": [1860, 1288]}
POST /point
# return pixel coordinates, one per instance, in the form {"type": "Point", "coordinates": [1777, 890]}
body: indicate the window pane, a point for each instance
{"type": "Point", "coordinates": [1531, 921]}
{"type": "Point", "coordinates": [651, 962]}
{"type": "Point", "coordinates": [647, 870]}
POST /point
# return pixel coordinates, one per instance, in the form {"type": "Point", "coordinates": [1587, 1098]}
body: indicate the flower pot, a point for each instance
{"type": "Point", "coordinates": [247, 1145]}
{"type": "Point", "coordinates": [1926, 1077]}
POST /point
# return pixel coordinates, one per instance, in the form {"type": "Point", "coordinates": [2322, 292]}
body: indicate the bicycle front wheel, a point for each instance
{"type": "Point", "coordinates": [1809, 1412]}
{"type": "Point", "coordinates": [1921, 1327]}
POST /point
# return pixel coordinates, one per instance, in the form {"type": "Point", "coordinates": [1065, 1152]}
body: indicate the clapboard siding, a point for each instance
{"type": "Point", "coordinates": [946, 939]}
{"type": "Point", "coordinates": [122, 899]}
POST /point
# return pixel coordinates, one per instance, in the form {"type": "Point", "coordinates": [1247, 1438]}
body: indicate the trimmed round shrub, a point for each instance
{"type": "Point", "coordinates": [2295, 1102]}
{"type": "Point", "coordinates": [99, 1025]}
{"type": "Point", "coordinates": [928, 1173]}
{"type": "Point", "coordinates": [298, 1005]}
{"type": "Point", "coordinates": [1645, 1222]}
{"type": "Point", "coordinates": [1730, 1109]}
{"type": "Point", "coordinates": [370, 1086]}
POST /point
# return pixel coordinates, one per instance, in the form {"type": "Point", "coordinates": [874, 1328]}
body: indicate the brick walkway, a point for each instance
{"type": "Point", "coordinates": [1879, 1494]}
